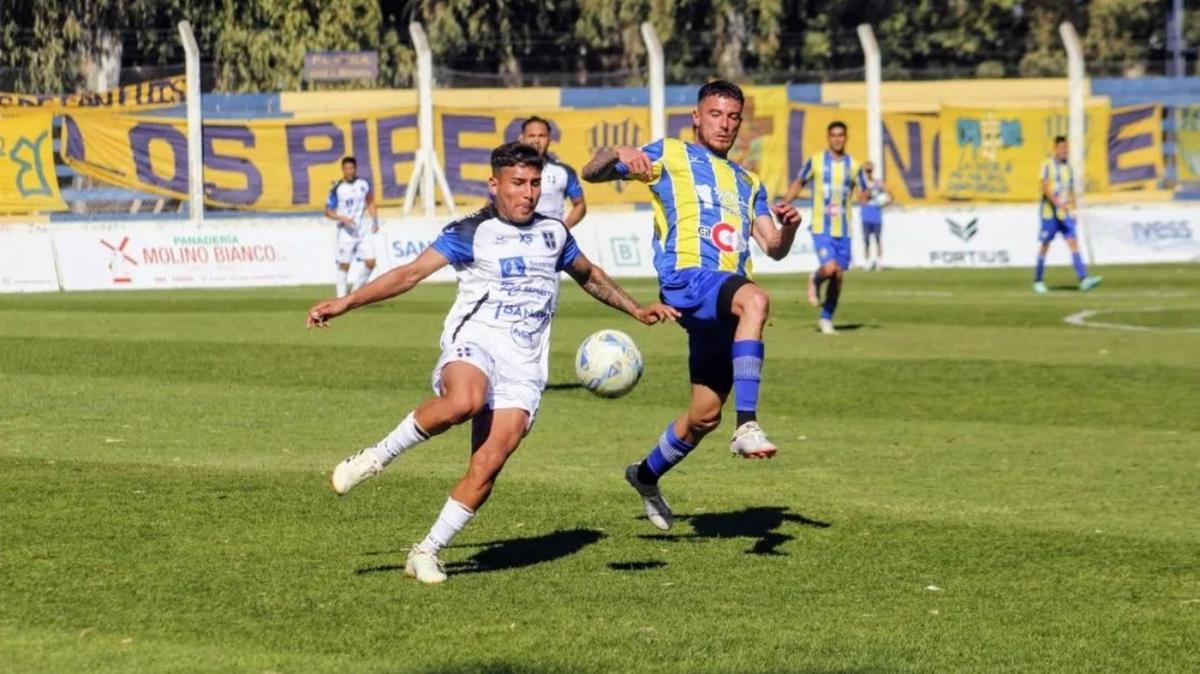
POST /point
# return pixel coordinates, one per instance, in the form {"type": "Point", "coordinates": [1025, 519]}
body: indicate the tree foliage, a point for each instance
{"type": "Point", "coordinates": [260, 44]}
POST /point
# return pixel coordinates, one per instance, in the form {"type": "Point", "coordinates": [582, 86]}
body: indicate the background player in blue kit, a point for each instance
{"type": "Point", "coordinates": [559, 181]}
{"type": "Point", "coordinates": [706, 210]}
{"type": "Point", "coordinates": [1057, 210]}
{"type": "Point", "coordinates": [874, 199]}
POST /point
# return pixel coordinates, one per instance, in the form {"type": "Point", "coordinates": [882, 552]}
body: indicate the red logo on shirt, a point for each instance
{"type": "Point", "coordinates": [725, 237]}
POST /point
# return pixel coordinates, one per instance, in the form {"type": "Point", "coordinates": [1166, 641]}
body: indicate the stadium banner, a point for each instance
{"type": "Point", "coordinates": [141, 95]}
{"type": "Point", "coordinates": [28, 183]}
{"type": "Point", "coordinates": [26, 259]}
{"type": "Point", "coordinates": [1142, 233]}
{"type": "Point", "coordinates": [994, 154]}
{"type": "Point", "coordinates": [269, 164]}
{"type": "Point", "coordinates": [1134, 153]}
{"type": "Point", "coordinates": [1187, 143]}
{"type": "Point", "coordinates": [100, 256]}
{"type": "Point", "coordinates": [465, 138]}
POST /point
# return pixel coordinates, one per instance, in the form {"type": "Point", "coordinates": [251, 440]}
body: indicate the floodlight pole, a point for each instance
{"type": "Point", "coordinates": [657, 83]}
{"type": "Point", "coordinates": [874, 82]}
{"type": "Point", "coordinates": [426, 167]}
{"type": "Point", "coordinates": [1076, 120]}
{"type": "Point", "coordinates": [195, 126]}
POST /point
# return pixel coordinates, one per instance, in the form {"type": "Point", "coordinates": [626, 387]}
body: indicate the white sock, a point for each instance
{"type": "Point", "coordinates": [341, 282]}
{"type": "Point", "coordinates": [407, 434]}
{"type": "Point", "coordinates": [361, 278]}
{"type": "Point", "coordinates": [453, 518]}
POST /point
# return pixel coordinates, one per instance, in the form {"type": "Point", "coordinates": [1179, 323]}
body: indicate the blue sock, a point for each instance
{"type": "Point", "coordinates": [1080, 267]}
{"type": "Point", "coordinates": [670, 451]}
{"type": "Point", "coordinates": [829, 305]}
{"type": "Point", "coordinates": [747, 376]}
{"type": "Point", "coordinates": [1040, 270]}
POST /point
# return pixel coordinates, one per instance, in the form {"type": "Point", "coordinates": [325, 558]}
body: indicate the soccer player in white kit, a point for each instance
{"type": "Point", "coordinates": [350, 199]}
{"type": "Point", "coordinates": [559, 181]}
{"type": "Point", "coordinates": [495, 341]}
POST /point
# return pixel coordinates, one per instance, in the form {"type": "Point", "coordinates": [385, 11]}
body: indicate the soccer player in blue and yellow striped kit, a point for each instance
{"type": "Point", "coordinates": [706, 210]}
{"type": "Point", "coordinates": [833, 175]}
{"type": "Point", "coordinates": [1057, 211]}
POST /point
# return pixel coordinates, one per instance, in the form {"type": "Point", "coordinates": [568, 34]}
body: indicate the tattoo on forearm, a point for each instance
{"type": "Point", "coordinates": [602, 167]}
{"type": "Point", "coordinates": [602, 287]}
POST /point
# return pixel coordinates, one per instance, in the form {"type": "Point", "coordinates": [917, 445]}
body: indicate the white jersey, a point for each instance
{"type": "Point", "coordinates": [351, 199]}
{"type": "Point", "coordinates": [559, 183]}
{"type": "Point", "coordinates": [508, 282]}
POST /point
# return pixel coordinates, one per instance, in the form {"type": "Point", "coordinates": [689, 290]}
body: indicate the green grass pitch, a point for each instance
{"type": "Point", "coordinates": [966, 483]}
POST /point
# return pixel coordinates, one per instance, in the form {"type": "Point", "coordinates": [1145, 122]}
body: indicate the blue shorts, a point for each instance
{"type": "Point", "coordinates": [698, 294]}
{"type": "Point", "coordinates": [1053, 226]}
{"type": "Point", "coordinates": [872, 217]}
{"type": "Point", "coordinates": [872, 228]}
{"type": "Point", "coordinates": [836, 248]}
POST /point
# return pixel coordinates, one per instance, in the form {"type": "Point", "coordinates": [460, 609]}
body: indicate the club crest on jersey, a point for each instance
{"type": "Point", "coordinates": [549, 239]}
{"type": "Point", "coordinates": [512, 266]}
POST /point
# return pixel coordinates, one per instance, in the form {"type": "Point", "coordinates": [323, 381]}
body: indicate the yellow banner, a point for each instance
{"type": "Point", "coordinates": [466, 137]}
{"type": "Point", "coordinates": [150, 94]}
{"type": "Point", "coordinates": [994, 154]}
{"type": "Point", "coordinates": [1187, 143]}
{"type": "Point", "coordinates": [28, 183]}
{"type": "Point", "coordinates": [271, 165]}
{"type": "Point", "coordinates": [1135, 153]}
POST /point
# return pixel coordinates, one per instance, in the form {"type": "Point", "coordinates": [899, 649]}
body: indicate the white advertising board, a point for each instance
{"type": "Point", "coordinates": [26, 260]}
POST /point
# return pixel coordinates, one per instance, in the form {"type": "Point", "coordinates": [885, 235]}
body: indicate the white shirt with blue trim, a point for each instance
{"type": "Point", "coordinates": [508, 283]}
{"type": "Point", "coordinates": [559, 183]}
{"type": "Point", "coordinates": [350, 198]}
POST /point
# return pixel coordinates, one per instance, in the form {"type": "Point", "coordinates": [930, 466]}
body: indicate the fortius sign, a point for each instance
{"type": "Point", "coordinates": [180, 257]}
{"type": "Point", "coordinates": [1002, 236]}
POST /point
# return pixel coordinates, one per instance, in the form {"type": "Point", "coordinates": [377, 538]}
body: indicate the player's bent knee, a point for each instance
{"type": "Point", "coordinates": [704, 424]}
{"type": "Point", "coordinates": [369, 264]}
{"type": "Point", "coordinates": [464, 406]}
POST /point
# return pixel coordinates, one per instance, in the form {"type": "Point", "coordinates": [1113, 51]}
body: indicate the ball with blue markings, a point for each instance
{"type": "Point", "coordinates": [608, 363]}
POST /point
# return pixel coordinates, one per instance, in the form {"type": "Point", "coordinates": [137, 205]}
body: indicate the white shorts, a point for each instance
{"type": "Point", "coordinates": [508, 388]}
{"type": "Point", "coordinates": [351, 248]}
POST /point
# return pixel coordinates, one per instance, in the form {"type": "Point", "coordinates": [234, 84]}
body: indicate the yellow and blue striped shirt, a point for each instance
{"type": "Point", "coordinates": [1062, 186]}
{"type": "Point", "coordinates": [704, 208]}
{"type": "Point", "coordinates": [833, 180]}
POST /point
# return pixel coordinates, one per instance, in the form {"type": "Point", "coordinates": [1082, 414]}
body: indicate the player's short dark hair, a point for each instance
{"type": "Point", "coordinates": [836, 124]}
{"type": "Point", "coordinates": [1060, 139]}
{"type": "Point", "coordinates": [722, 88]}
{"type": "Point", "coordinates": [350, 160]}
{"type": "Point", "coordinates": [516, 153]}
{"type": "Point", "coordinates": [536, 120]}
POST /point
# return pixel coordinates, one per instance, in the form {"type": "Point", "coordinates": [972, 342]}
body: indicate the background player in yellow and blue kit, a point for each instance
{"type": "Point", "coordinates": [833, 175]}
{"type": "Point", "coordinates": [706, 210]}
{"type": "Point", "coordinates": [1057, 210]}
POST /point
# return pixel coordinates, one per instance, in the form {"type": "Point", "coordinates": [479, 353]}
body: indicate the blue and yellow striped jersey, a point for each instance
{"type": "Point", "coordinates": [704, 208]}
{"type": "Point", "coordinates": [1062, 184]}
{"type": "Point", "coordinates": [833, 180]}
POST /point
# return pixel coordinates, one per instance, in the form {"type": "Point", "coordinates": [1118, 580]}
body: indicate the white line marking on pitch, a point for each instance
{"type": "Point", "coordinates": [1082, 319]}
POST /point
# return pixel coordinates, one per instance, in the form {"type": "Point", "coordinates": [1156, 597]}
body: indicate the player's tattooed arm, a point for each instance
{"type": "Point", "coordinates": [597, 283]}
{"type": "Point", "coordinates": [603, 167]}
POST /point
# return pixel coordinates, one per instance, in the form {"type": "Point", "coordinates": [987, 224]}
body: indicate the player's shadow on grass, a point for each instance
{"type": "Point", "coordinates": [563, 386]}
{"type": "Point", "coordinates": [512, 553]}
{"type": "Point", "coordinates": [759, 523]}
{"type": "Point", "coordinates": [849, 327]}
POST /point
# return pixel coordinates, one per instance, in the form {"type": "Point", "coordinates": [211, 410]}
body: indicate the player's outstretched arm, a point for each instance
{"type": "Point", "coordinates": [600, 285]}
{"type": "Point", "coordinates": [395, 282]}
{"type": "Point", "coordinates": [776, 241]}
{"type": "Point", "coordinates": [604, 166]}
{"type": "Point", "coordinates": [794, 190]}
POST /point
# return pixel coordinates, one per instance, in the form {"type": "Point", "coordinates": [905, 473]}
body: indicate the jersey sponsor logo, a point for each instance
{"type": "Point", "coordinates": [725, 237]}
{"type": "Point", "coordinates": [514, 288]}
{"type": "Point", "coordinates": [525, 238]}
{"type": "Point", "coordinates": [512, 266]}
{"type": "Point", "coordinates": [966, 231]}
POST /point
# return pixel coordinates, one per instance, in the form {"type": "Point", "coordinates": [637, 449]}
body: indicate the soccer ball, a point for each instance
{"type": "Point", "coordinates": [608, 363]}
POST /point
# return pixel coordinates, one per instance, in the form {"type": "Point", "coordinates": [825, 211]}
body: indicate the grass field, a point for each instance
{"type": "Point", "coordinates": [966, 483]}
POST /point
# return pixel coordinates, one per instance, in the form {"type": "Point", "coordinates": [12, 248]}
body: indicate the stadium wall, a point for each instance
{"type": "Point", "coordinates": [298, 251]}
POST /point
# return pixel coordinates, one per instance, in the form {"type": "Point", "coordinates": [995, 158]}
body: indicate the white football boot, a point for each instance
{"type": "Point", "coordinates": [658, 511]}
{"type": "Point", "coordinates": [749, 442]}
{"type": "Point", "coordinates": [357, 467]}
{"type": "Point", "coordinates": [424, 566]}
{"type": "Point", "coordinates": [826, 327]}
